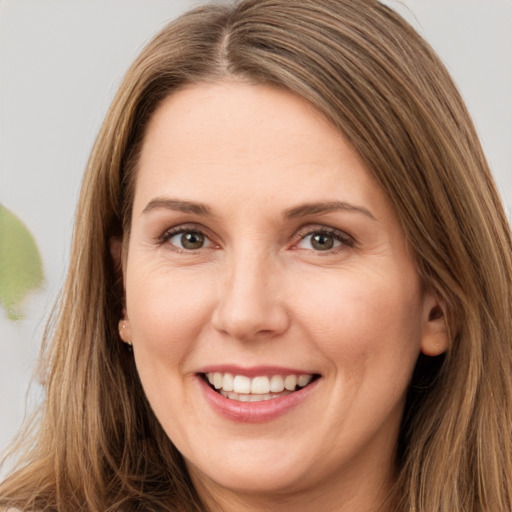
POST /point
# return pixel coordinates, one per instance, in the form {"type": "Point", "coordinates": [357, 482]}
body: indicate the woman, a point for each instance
{"type": "Point", "coordinates": [290, 285]}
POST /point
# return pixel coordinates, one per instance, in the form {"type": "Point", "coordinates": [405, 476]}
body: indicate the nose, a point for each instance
{"type": "Point", "coordinates": [251, 303]}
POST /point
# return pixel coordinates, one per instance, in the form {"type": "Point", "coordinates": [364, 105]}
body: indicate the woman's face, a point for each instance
{"type": "Point", "coordinates": [263, 257]}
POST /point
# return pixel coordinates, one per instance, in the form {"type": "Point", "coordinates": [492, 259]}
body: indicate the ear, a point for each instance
{"type": "Point", "coordinates": [116, 251]}
{"type": "Point", "coordinates": [434, 340]}
{"type": "Point", "coordinates": [125, 330]}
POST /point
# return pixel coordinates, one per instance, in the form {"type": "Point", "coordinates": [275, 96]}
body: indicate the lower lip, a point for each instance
{"type": "Point", "coordinates": [255, 412]}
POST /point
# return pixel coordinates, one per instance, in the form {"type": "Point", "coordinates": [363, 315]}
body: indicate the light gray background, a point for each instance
{"type": "Point", "coordinates": [60, 64]}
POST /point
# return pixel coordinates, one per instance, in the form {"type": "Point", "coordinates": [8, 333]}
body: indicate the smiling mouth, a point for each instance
{"type": "Point", "coordinates": [246, 389]}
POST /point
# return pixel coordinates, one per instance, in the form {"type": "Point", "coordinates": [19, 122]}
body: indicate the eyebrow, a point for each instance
{"type": "Point", "coordinates": [320, 208]}
{"type": "Point", "coordinates": [177, 205]}
{"type": "Point", "coordinates": [302, 210]}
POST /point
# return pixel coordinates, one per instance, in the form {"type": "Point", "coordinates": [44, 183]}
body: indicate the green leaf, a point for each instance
{"type": "Point", "coordinates": [21, 270]}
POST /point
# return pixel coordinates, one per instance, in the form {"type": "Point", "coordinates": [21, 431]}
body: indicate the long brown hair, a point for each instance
{"type": "Point", "coordinates": [97, 446]}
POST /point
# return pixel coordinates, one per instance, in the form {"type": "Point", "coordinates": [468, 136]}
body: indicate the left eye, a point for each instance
{"type": "Point", "coordinates": [321, 241]}
{"type": "Point", "coordinates": [189, 240]}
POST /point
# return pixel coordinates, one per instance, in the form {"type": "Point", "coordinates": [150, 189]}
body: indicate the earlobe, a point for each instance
{"type": "Point", "coordinates": [435, 340]}
{"type": "Point", "coordinates": [125, 332]}
{"type": "Point", "coordinates": [116, 250]}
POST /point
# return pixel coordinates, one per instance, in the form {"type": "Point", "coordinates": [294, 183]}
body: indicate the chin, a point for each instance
{"type": "Point", "coordinates": [255, 478]}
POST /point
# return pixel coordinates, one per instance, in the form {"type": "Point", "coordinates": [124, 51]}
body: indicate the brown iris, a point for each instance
{"type": "Point", "coordinates": [192, 240]}
{"type": "Point", "coordinates": [322, 241]}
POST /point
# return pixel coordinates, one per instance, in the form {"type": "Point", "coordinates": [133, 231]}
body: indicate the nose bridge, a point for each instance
{"type": "Point", "coordinates": [250, 302]}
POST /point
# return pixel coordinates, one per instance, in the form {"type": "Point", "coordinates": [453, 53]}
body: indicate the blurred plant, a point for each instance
{"type": "Point", "coordinates": [21, 269]}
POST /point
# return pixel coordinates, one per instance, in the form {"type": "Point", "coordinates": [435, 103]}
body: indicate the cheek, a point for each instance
{"type": "Point", "coordinates": [365, 319]}
{"type": "Point", "coordinates": [166, 313]}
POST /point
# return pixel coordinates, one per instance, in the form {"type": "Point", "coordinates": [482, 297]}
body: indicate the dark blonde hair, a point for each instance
{"type": "Point", "coordinates": [97, 445]}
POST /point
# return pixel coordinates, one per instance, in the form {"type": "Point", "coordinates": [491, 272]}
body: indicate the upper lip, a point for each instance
{"type": "Point", "coordinates": [255, 371]}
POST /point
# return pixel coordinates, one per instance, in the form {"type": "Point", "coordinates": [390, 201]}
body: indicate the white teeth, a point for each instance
{"type": "Point", "coordinates": [276, 384]}
{"type": "Point", "coordinates": [227, 383]}
{"type": "Point", "coordinates": [251, 398]}
{"type": "Point", "coordinates": [245, 389]}
{"type": "Point", "coordinates": [241, 384]}
{"type": "Point", "coordinates": [217, 380]}
{"type": "Point", "coordinates": [304, 380]}
{"type": "Point", "coordinates": [290, 382]}
{"type": "Point", "coordinates": [260, 385]}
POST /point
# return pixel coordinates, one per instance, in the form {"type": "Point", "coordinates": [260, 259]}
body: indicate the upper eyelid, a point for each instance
{"type": "Point", "coordinates": [345, 242]}
{"type": "Point", "coordinates": [188, 226]}
{"type": "Point", "coordinates": [170, 233]}
{"type": "Point", "coordinates": [319, 228]}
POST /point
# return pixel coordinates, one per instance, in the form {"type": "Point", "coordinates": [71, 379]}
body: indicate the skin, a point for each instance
{"type": "Point", "coordinates": [259, 292]}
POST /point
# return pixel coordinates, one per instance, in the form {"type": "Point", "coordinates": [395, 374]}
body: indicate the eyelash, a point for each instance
{"type": "Point", "coordinates": [343, 238]}
{"type": "Point", "coordinates": [180, 230]}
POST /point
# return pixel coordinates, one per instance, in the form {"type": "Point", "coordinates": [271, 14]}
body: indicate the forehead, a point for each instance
{"type": "Point", "coordinates": [239, 116]}
{"type": "Point", "coordinates": [255, 140]}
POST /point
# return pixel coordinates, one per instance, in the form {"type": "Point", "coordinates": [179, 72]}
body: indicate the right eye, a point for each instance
{"type": "Point", "coordinates": [187, 239]}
